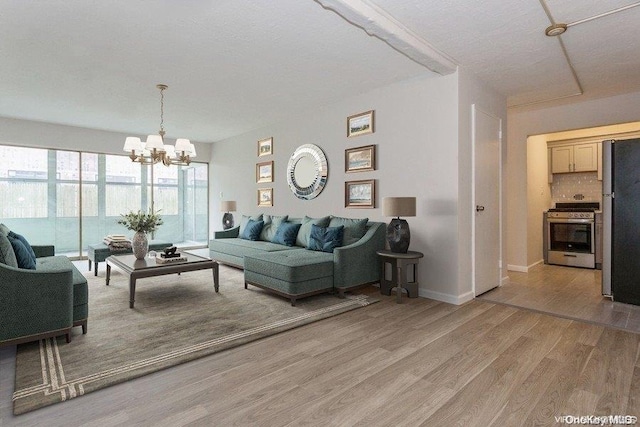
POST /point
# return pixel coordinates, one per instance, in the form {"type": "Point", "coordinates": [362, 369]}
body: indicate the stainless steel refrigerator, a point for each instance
{"type": "Point", "coordinates": [621, 220]}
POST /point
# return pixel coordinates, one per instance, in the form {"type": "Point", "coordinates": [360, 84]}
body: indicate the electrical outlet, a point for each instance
{"type": "Point", "coordinates": [221, 195]}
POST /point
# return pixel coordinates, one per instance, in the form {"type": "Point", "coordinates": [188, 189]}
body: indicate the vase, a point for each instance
{"type": "Point", "coordinates": [140, 245]}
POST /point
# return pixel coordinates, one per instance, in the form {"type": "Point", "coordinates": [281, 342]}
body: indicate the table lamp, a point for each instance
{"type": "Point", "coordinates": [227, 206]}
{"type": "Point", "coordinates": [398, 234]}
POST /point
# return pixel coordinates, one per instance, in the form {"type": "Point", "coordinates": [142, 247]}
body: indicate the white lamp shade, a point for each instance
{"type": "Point", "coordinates": [154, 141]}
{"type": "Point", "coordinates": [399, 206]}
{"type": "Point", "coordinates": [169, 150]}
{"type": "Point", "coordinates": [132, 144]}
{"type": "Point", "coordinates": [228, 206]}
{"type": "Point", "coordinates": [183, 145]}
{"type": "Point", "coordinates": [192, 150]}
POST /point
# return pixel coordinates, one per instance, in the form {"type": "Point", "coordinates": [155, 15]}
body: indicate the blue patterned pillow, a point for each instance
{"type": "Point", "coordinates": [325, 239]}
{"type": "Point", "coordinates": [252, 230]}
{"type": "Point", "coordinates": [25, 243]}
{"type": "Point", "coordinates": [305, 230]}
{"type": "Point", "coordinates": [23, 257]}
{"type": "Point", "coordinates": [286, 233]}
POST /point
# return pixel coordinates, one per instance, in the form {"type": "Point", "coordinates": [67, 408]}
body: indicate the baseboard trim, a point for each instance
{"type": "Point", "coordinates": [448, 298]}
{"type": "Point", "coordinates": [523, 269]}
{"type": "Point", "coordinates": [504, 280]}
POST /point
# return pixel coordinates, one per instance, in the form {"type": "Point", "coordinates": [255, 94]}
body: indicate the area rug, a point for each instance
{"type": "Point", "coordinates": [176, 318]}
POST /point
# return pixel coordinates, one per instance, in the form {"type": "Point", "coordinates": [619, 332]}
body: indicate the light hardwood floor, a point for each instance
{"type": "Point", "coordinates": [574, 293]}
{"type": "Point", "coordinates": [417, 363]}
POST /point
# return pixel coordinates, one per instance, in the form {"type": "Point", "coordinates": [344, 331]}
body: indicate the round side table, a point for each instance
{"type": "Point", "coordinates": [399, 264]}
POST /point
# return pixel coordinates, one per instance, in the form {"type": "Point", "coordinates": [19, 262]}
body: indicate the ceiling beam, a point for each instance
{"type": "Point", "coordinates": [378, 23]}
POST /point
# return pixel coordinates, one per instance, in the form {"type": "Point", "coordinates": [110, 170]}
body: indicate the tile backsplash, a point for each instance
{"type": "Point", "coordinates": [568, 187]}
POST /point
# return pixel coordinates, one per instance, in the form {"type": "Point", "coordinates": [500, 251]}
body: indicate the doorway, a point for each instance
{"type": "Point", "coordinates": [563, 291]}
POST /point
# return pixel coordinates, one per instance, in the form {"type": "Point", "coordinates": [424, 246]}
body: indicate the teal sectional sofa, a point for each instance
{"type": "Point", "coordinates": [295, 271]}
{"type": "Point", "coordinates": [41, 303]}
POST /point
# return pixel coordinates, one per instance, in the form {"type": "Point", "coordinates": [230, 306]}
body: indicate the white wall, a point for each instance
{"type": "Point", "coordinates": [418, 149]}
{"type": "Point", "coordinates": [539, 196]}
{"type": "Point", "coordinates": [527, 122]}
{"type": "Point", "coordinates": [47, 135]}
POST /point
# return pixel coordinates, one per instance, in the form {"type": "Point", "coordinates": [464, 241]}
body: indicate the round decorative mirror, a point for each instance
{"type": "Point", "coordinates": [307, 171]}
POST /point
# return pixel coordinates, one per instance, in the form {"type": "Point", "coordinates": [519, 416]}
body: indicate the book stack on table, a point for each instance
{"type": "Point", "coordinates": [169, 258]}
{"type": "Point", "coordinates": [117, 243]}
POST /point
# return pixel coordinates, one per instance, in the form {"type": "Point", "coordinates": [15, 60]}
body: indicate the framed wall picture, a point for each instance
{"type": "Point", "coordinates": [264, 172]}
{"type": "Point", "coordinates": [360, 159]}
{"type": "Point", "coordinates": [265, 147]}
{"type": "Point", "coordinates": [360, 194]}
{"type": "Point", "coordinates": [360, 124]}
{"type": "Point", "coordinates": [265, 197]}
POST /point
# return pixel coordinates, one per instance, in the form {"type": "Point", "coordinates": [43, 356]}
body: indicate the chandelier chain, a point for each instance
{"type": "Point", "coordinates": [161, 111]}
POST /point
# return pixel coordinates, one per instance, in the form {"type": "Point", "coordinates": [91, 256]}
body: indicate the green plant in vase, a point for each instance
{"type": "Point", "coordinates": [142, 223]}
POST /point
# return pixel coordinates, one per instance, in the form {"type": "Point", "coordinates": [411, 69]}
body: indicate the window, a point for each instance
{"type": "Point", "coordinates": [23, 183]}
{"type": "Point", "coordinates": [73, 199]}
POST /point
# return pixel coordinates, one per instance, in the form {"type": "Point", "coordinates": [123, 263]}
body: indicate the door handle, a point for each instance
{"type": "Point", "coordinates": [479, 208]}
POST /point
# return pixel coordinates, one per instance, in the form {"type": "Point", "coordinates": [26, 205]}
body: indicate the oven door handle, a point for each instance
{"type": "Point", "coordinates": [570, 221]}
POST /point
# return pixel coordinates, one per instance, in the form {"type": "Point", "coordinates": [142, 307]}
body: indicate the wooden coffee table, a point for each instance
{"type": "Point", "coordinates": [141, 268]}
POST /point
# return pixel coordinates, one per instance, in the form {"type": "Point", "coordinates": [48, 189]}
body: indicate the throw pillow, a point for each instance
{"type": "Point", "coordinates": [286, 233]}
{"type": "Point", "coordinates": [252, 230]}
{"type": "Point", "coordinates": [271, 224]}
{"type": "Point", "coordinates": [25, 243]}
{"type": "Point", "coordinates": [325, 239]}
{"type": "Point", "coordinates": [7, 256]}
{"type": "Point", "coordinates": [305, 229]}
{"type": "Point", "coordinates": [245, 220]}
{"type": "Point", "coordinates": [4, 229]}
{"type": "Point", "coordinates": [23, 257]}
{"type": "Point", "coordinates": [354, 229]}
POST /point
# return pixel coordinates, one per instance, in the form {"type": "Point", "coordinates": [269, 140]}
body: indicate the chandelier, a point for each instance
{"type": "Point", "coordinates": [154, 150]}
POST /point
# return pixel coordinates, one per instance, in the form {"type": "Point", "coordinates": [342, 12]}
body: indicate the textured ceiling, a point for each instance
{"type": "Point", "coordinates": [236, 65]}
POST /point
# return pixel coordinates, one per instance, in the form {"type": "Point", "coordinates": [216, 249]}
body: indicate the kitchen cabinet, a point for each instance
{"type": "Point", "coordinates": [574, 158]}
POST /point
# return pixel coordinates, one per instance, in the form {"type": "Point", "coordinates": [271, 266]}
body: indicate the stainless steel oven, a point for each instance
{"type": "Point", "coordinates": [571, 237]}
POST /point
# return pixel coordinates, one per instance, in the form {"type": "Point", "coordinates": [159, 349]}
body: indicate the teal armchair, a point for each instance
{"type": "Point", "coordinates": [42, 303]}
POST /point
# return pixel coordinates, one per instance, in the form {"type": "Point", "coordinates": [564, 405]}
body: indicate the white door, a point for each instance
{"type": "Point", "coordinates": [487, 204]}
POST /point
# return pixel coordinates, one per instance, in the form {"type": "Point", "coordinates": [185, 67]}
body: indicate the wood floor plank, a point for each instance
{"type": "Point", "coordinates": [633, 398]}
{"type": "Point", "coordinates": [462, 367]}
{"type": "Point", "coordinates": [556, 395]}
{"type": "Point", "coordinates": [419, 362]}
{"type": "Point", "coordinates": [416, 404]}
{"type": "Point", "coordinates": [620, 346]}
{"type": "Point", "coordinates": [527, 394]}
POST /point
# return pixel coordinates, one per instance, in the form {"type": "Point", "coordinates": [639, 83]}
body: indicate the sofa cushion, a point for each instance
{"type": "Point", "coordinates": [23, 257]}
{"type": "Point", "coordinates": [252, 230]}
{"type": "Point", "coordinates": [7, 255]}
{"type": "Point", "coordinates": [25, 243]}
{"type": "Point", "coordinates": [245, 220]}
{"type": "Point", "coordinates": [305, 229]}
{"type": "Point", "coordinates": [325, 239]}
{"type": "Point", "coordinates": [354, 228]}
{"type": "Point", "coordinates": [297, 265]}
{"type": "Point", "coordinates": [286, 233]}
{"type": "Point", "coordinates": [4, 230]}
{"type": "Point", "coordinates": [271, 224]}
{"type": "Point", "coordinates": [240, 248]}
